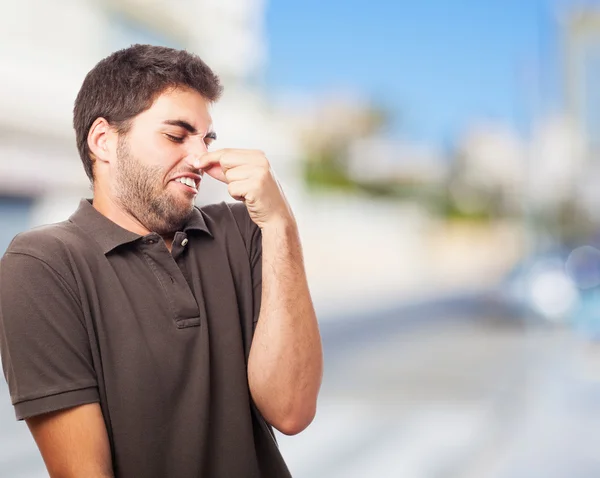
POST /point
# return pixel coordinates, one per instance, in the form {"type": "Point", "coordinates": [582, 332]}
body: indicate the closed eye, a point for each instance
{"type": "Point", "coordinates": [210, 138]}
{"type": "Point", "coordinates": [175, 139]}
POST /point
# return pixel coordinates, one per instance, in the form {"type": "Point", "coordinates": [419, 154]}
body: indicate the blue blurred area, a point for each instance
{"type": "Point", "coordinates": [16, 217]}
{"type": "Point", "coordinates": [436, 65]}
{"type": "Point", "coordinates": [559, 286]}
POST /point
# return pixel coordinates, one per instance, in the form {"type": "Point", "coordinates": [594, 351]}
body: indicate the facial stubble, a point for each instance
{"type": "Point", "coordinates": [141, 192]}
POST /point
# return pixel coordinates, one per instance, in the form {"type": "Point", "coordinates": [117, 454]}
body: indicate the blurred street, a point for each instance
{"type": "Point", "coordinates": [449, 388]}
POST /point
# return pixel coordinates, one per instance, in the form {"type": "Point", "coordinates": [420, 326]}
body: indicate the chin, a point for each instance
{"type": "Point", "coordinates": [182, 215]}
{"type": "Point", "coordinates": [171, 216]}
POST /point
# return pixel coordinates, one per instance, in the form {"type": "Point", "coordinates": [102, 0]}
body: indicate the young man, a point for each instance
{"type": "Point", "coordinates": [145, 337]}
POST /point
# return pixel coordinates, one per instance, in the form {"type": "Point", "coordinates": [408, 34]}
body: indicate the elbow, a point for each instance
{"type": "Point", "coordinates": [292, 428]}
{"type": "Point", "coordinates": [295, 422]}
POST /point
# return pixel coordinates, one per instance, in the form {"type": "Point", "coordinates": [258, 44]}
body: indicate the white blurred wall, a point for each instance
{"type": "Point", "coordinates": [46, 48]}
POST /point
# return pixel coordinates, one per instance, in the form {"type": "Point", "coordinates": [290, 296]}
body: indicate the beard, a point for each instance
{"type": "Point", "coordinates": [140, 191]}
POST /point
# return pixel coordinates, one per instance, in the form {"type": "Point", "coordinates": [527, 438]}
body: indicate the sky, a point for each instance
{"type": "Point", "coordinates": [436, 65]}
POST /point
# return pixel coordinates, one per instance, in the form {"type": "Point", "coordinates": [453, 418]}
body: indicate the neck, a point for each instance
{"type": "Point", "coordinates": [113, 210]}
{"type": "Point", "coordinates": [168, 242]}
{"type": "Point", "coordinates": [110, 208]}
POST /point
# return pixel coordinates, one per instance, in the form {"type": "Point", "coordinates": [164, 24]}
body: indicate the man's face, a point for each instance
{"type": "Point", "coordinates": [155, 159]}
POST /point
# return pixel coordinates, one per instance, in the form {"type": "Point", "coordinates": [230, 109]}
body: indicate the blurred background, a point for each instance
{"type": "Point", "coordinates": [442, 161]}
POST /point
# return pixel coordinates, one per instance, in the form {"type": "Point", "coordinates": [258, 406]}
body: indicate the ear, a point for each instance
{"type": "Point", "coordinates": [100, 140]}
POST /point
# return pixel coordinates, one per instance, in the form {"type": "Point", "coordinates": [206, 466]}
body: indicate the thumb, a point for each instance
{"type": "Point", "coordinates": [215, 171]}
{"type": "Point", "coordinates": [210, 163]}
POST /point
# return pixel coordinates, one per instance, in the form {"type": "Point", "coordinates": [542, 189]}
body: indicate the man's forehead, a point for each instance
{"type": "Point", "coordinates": [189, 106]}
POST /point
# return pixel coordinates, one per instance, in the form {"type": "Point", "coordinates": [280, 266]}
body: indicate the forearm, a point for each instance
{"type": "Point", "coordinates": [285, 367]}
{"type": "Point", "coordinates": [83, 472]}
{"type": "Point", "coordinates": [73, 442]}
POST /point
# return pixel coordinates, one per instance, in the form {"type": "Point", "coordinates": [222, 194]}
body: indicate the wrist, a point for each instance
{"type": "Point", "coordinates": [279, 224]}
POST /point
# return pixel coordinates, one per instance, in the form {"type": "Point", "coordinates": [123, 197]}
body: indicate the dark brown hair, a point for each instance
{"type": "Point", "coordinates": [127, 83]}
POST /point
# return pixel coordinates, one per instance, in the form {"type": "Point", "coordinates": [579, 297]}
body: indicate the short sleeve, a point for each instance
{"type": "Point", "coordinates": [255, 241]}
{"type": "Point", "coordinates": [44, 346]}
{"type": "Point", "coordinates": [252, 237]}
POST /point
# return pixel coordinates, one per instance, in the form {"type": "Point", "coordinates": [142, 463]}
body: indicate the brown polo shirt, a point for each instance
{"type": "Point", "coordinates": [91, 312]}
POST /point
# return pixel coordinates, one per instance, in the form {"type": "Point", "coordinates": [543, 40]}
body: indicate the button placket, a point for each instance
{"type": "Point", "coordinates": [184, 306]}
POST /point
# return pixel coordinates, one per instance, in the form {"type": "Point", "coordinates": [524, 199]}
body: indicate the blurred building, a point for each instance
{"type": "Point", "coordinates": [581, 72]}
{"type": "Point", "coordinates": [383, 160]}
{"type": "Point", "coordinates": [489, 169]}
{"type": "Point", "coordinates": [331, 121]}
{"type": "Point", "coordinates": [46, 48]}
{"type": "Point", "coordinates": [556, 163]}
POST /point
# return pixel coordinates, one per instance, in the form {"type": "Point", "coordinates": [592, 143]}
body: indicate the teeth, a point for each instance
{"type": "Point", "coordinates": [187, 181]}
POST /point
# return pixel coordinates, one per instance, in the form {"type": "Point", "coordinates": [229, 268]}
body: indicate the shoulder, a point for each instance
{"type": "Point", "coordinates": [51, 244]}
{"type": "Point", "coordinates": [225, 211]}
{"type": "Point", "coordinates": [226, 220]}
{"type": "Point", "coordinates": [226, 215]}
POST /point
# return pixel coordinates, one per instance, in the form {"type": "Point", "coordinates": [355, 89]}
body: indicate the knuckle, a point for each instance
{"type": "Point", "coordinates": [261, 156]}
{"type": "Point", "coordinates": [265, 174]}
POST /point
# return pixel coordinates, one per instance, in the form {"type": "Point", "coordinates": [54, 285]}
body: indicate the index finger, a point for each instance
{"type": "Point", "coordinates": [210, 158]}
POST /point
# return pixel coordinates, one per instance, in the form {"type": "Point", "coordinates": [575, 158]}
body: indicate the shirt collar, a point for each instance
{"type": "Point", "coordinates": [110, 235]}
{"type": "Point", "coordinates": [196, 222]}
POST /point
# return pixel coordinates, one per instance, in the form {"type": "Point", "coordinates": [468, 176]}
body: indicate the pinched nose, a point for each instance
{"type": "Point", "coordinates": [193, 160]}
{"type": "Point", "coordinates": [196, 148]}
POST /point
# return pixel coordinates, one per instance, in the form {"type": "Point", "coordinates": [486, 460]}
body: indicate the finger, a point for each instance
{"type": "Point", "coordinates": [231, 158]}
{"type": "Point", "coordinates": [238, 157]}
{"type": "Point", "coordinates": [240, 173]}
{"type": "Point", "coordinates": [210, 159]}
{"type": "Point", "coordinates": [216, 171]}
{"type": "Point", "coordinates": [239, 190]}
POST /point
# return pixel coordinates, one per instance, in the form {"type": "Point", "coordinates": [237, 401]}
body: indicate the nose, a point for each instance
{"type": "Point", "coordinates": [193, 160]}
{"type": "Point", "coordinates": [195, 151]}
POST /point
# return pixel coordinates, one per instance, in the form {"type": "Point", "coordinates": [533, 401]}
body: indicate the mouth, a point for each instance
{"type": "Point", "coordinates": [189, 184]}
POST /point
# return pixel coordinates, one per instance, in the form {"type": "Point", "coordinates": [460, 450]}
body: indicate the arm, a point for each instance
{"type": "Point", "coordinates": [47, 360]}
{"type": "Point", "coordinates": [286, 365]}
{"type": "Point", "coordinates": [73, 442]}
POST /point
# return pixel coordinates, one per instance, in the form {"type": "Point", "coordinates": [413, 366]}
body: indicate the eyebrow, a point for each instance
{"type": "Point", "coordinates": [187, 126]}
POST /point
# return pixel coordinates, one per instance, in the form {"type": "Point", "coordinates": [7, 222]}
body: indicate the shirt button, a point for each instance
{"type": "Point", "coordinates": [184, 242]}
